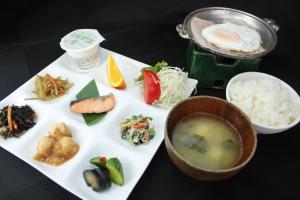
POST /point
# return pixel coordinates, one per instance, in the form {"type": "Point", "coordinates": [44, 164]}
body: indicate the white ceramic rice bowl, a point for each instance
{"type": "Point", "coordinates": [261, 128]}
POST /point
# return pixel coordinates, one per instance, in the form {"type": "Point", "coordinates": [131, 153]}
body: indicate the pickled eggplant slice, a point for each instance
{"type": "Point", "coordinates": [115, 170]}
{"type": "Point", "coordinates": [98, 179]}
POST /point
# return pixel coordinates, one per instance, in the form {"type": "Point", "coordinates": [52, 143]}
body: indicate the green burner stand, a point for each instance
{"type": "Point", "coordinates": [215, 71]}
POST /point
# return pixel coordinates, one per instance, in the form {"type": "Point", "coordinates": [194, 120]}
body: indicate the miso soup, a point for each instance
{"type": "Point", "coordinates": [207, 141]}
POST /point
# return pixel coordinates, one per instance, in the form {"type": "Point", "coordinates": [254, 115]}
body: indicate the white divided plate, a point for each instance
{"type": "Point", "coordinates": [102, 138]}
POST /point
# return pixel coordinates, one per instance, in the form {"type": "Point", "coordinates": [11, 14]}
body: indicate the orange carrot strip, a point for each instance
{"type": "Point", "coordinates": [143, 123]}
{"type": "Point", "coordinates": [139, 125]}
{"type": "Point", "coordinates": [135, 126]}
{"type": "Point", "coordinates": [59, 83]}
{"type": "Point", "coordinates": [15, 124]}
{"type": "Point", "coordinates": [9, 119]}
{"type": "Point", "coordinates": [53, 82]}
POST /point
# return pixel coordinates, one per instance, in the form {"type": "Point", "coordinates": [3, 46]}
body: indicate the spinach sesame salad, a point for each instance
{"type": "Point", "coordinates": [137, 130]}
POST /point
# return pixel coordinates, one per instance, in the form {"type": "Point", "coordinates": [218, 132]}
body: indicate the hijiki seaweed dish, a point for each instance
{"type": "Point", "coordinates": [15, 120]}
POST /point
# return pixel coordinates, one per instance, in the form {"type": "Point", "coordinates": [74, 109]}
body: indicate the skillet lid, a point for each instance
{"type": "Point", "coordinates": [199, 19]}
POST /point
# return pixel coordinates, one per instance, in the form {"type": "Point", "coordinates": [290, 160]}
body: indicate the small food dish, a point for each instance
{"type": "Point", "coordinates": [91, 105]}
{"type": "Point", "coordinates": [196, 21]}
{"type": "Point", "coordinates": [15, 120]}
{"type": "Point", "coordinates": [137, 130]}
{"type": "Point", "coordinates": [48, 88]}
{"type": "Point", "coordinates": [164, 85]}
{"type": "Point", "coordinates": [274, 112]}
{"type": "Point", "coordinates": [58, 147]}
{"type": "Point", "coordinates": [223, 110]}
{"type": "Point", "coordinates": [82, 47]}
{"type": "Point", "coordinates": [108, 171]}
{"type": "Point", "coordinates": [114, 167]}
{"type": "Point", "coordinates": [207, 141]}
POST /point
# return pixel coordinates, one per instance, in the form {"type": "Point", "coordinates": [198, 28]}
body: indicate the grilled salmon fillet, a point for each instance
{"type": "Point", "coordinates": [94, 104]}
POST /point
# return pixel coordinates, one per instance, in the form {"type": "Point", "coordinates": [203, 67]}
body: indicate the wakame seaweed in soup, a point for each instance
{"type": "Point", "coordinates": [206, 141]}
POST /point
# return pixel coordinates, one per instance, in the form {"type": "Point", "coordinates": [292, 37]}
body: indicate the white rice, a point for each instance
{"type": "Point", "coordinates": [265, 101]}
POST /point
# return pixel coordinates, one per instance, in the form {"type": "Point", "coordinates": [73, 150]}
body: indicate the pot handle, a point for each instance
{"type": "Point", "coordinates": [182, 31]}
{"type": "Point", "coordinates": [272, 23]}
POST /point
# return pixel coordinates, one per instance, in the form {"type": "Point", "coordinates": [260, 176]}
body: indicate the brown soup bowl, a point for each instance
{"type": "Point", "coordinates": [219, 108]}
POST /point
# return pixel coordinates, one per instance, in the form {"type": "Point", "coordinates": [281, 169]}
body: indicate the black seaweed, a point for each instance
{"type": "Point", "coordinates": [22, 115]}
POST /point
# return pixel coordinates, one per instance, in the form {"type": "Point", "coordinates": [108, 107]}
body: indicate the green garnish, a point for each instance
{"type": "Point", "coordinates": [90, 90]}
{"type": "Point", "coordinates": [156, 68]}
{"type": "Point", "coordinates": [195, 142]}
{"type": "Point", "coordinates": [98, 161]}
{"type": "Point", "coordinates": [201, 145]}
{"type": "Point", "coordinates": [228, 144]}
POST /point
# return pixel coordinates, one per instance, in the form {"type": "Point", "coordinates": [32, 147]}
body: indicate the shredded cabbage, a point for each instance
{"type": "Point", "coordinates": [173, 85]}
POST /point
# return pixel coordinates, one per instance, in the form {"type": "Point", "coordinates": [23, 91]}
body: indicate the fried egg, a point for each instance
{"type": "Point", "coordinates": [232, 37]}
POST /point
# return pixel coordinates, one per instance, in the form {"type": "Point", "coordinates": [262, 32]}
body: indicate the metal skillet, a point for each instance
{"type": "Point", "coordinates": [267, 29]}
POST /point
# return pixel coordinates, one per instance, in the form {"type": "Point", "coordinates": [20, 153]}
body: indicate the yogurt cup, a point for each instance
{"type": "Point", "coordinates": [83, 49]}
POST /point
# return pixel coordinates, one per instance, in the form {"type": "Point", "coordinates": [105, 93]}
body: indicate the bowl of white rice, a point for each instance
{"type": "Point", "coordinates": [271, 104]}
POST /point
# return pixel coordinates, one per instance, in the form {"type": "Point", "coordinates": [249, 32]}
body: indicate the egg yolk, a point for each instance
{"type": "Point", "coordinates": [226, 35]}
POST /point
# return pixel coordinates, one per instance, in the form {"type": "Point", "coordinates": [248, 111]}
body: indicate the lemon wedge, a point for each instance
{"type": "Point", "coordinates": [115, 77]}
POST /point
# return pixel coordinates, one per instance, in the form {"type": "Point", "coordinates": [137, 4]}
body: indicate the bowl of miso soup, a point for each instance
{"type": "Point", "coordinates": [209, 138]}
